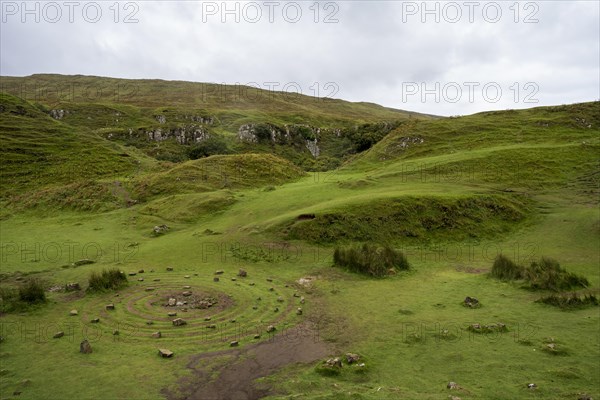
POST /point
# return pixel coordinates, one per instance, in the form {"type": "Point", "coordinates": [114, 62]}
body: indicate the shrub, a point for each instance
{"type": "Point", "coordinates": [505, 269]}
{"type": "Point", "coordinates": [370, 259]}
{"type": "Point", "coordinates": [32, 292]}
{"type": "Point", "coordinates": [110, 279]}
{"type": "Point", "coordinates": [212, 146]}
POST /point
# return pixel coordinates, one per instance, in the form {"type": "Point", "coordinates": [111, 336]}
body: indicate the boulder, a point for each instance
{"type": "Point", "coordinates": [351, 358]}
{"type": "Point", "coordinates": [532, 386]}
{"type": "Point", "coordinates": [471, 302]}
{"type": "Point", "coordinates": [257, 336]}
{"type": "Point", "coordinates": [164, 353]}
{"type": "Point", "coordinates": [299, 311]}
{"type": "Point", "coordinates": [187, 287]}
{"type": "Point", "coordinates": [219, 272]}
{"type": "Point", "coordinates": [271, 328]}
{"type": "Point", "coordinates": [302, 300]}
{"type": "Point", "coordinates": [73, 312]}
{"type": "Point", "coordinates": [70, 287]}
{"type": "Point", "coordinates": [172, 314]}
{"type": "Point", "coordinates": [187, 277]}
{"type": "Point", "coordinates": [234, 343]}
{"type": "Point", "coordinates": [452, 386]}
{"type": "Point", "coordinates": [280, 299]}
{"type": "Point", "coordinates": [132, 273]}
{"type": "Point", "coordinates": [140, 279]}
{"type": "Point", "coordinates": [179, 322]}
{"type": "Point", "coordinates": [334, 362]}
{"type": "Point", "coordinates": [187, 293]}
{"type": "Point", "coordinates": [110, 306]}
{"type": "Point", "coordinates": [242, 273]}
{"type": "Point", "coordinates": [58, 335]}
{"type": "Point", "coordinates": [172, 302]}
{"type": "Point", "coordinates": [157, 335]}
{"type": "Point", "coordinates": [85, 347]}
{"type": "Point", "coordinates": [149, 289]}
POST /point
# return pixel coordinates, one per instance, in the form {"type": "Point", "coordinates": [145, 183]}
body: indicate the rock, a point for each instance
{"type": "Point", "coordinates": [73, 286]}
{"type": "Point", "coordinates": [242, 273]}
{"type": "Point", "coordinates": [269, 280]}
{"type": "Point", "coordinates": [85, 347]}
{"type": "Point", "coordinates": [187, 293]}
{"type": "Point", "coordinates": [160, 230]}
{"type": "Point", "coordinates": [172, 302]}
{"type": "Point", "coordinates": [172, 314]}
{"type": "Point", "coordinates": [233, 279]}
{"type": "Point", "coordinates": [149, 322]}
{"type": "Point", "coordinates": [164, 353]}
{"type": "Point", "coordinates": [212, 326]}
{"type": "Point", "coordinates": [132, 273]}
{"type": "Point", "coordinates": [140, 279]}
{"type": "Point", "coordinates": [252, 284]}
{"type": "Point", "coordinates": [207, 318]}
{"type": "Point", "coordinates": [219, 272]}
{"type": "Point", "coordinates": [215, 279]}
{"type": "Point", "coordinates": [455, 398]}
{"type": "Point", "coordinates": [141, 271]}
{"type": "Point", "coordinates": [95, 320]}
{"type": "Point", "coordinates": [116, 332]}
{"type": "Point", "coordinates": [58, 335]}
{"type": "Point", "coordinates": [334, 362]}
{"type": "Point", "coordinates": [57, 114]}
{"type": "Point", "coordinates": [299, 311]}
{"type": "Point", "coordinates": [302, 300]}
{"type": "Point", "coordinates": [234, 343]}
{"type": "Point", "coordinates": [110, 306]}
{"type": "Point", "coordinates": [471, 302]}
{"type": "Point", "coordinates": [73, 312]}
{"type": "Point", "coordinates": [584, 396]}
{"type": "Point", "coordinates": [180, 303]}
{"type": "Point", "coordinates": [149, 289]}
{"type": "Point", "coordinates": [187, 287]}
{"type": "Point", "coordinates": [169, 268]}
{"type": "Point", "coordinates": [257, 336]}
{"type": "Point", "coordinates": [157, 335]}
{"type": "Point", "coordinates": [452, 385]}
{"type": "Point", "coordinates": [178, 322]}
{"type": "Point", "coordinates": [271, 328]}
{"type": "Point", "coordinates": [351, 358]}
{"type": "Point", "coordinates": [187, 277]}
{"type": "Point", "coordinates": [296, 294]}
{"type": "Point", "coordinates": [532, 386]}
{"type": "Point", "coordinates": [551, 346]}
{"type": "Point", "coordinates": [280, 299]}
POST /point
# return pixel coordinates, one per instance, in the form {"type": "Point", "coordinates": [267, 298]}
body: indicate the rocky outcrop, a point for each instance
{"type": "Point", "coordinates": [58, 114]}
{"type": "Point", "coordinates": [183, 135]}
{"type": "Point", "coordinates": [288, 134]}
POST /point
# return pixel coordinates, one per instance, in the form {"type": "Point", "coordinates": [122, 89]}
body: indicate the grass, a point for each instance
{"type": "Point", "coordinates": [372, 260]}
{"type": "Point", "coordinates": [456, 190]}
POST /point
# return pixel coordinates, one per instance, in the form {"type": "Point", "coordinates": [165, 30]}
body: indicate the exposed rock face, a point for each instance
{"type": "Point", "coordinates": [288, 134]}
{"type": "Point", "coordinates": [183, 135]}
{"type": "Point", "coordinates": [312, 146]}
{"type": "Point", "coordinates": [165, 353]}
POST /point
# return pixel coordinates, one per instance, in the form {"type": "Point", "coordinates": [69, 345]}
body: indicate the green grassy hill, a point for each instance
{"type": "Point", "coordinates": [450, 193]}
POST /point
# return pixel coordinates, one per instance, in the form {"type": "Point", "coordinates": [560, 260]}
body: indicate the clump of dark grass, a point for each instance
{"type": "Point", "coordinates": [108, 279]}
{"type": "Point", "coordinates": [505, 269]}
{"type": "Point", "coordinates": [569, 302]}
{"type": "Point", "coordinates": [32, 292]}
{"type": "Point", "coordinates": [369, 259]}
{"type": "Point", "coordinates": [545, 274]}
{"type": "Point", "coordinates": [21, 299]}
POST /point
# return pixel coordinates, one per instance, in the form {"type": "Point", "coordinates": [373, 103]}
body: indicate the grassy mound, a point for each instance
{"type": "Point", "coordinates": [569, 302]}
{"type": "Point", "coordinates": [217, 172]}
{"type": "Point", "coordinates": [423, 218]}
{"type": "Point", "coordinates": [188, 207]}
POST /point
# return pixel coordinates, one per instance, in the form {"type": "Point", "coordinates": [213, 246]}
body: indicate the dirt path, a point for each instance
{"type": "Point", "coordinates": [235, 378]}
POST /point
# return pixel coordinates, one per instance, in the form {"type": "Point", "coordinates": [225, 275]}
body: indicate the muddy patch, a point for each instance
{"type": "Point", "coordinates": [471, 270]}
{"type": "Point", "coordinates": [231, 374]}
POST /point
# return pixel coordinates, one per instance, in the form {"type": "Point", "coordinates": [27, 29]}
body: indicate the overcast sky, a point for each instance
{"type": "Point", "coordinates": [445, 58]}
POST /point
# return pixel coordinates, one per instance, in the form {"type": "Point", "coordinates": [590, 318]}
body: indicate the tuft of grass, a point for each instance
{"type": "Point", "coordinates": [108, 279]}
{"type": "Point", "coordinates": [368, 259]}
{"type": "Point", "coordinates": [545, 274]}
{"type": "Point", "coordinates": [505, 269]}
{"type": "Point", "coordinates": [570, 302]}
{"type": "Point", "coordinates": [32, 292]}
